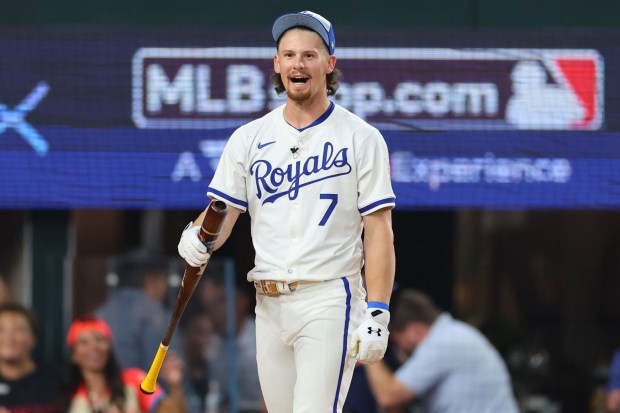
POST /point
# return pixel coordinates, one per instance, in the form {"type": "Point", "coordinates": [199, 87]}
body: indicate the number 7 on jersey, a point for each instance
{"type": "Point", "coordinates": [334, 200]}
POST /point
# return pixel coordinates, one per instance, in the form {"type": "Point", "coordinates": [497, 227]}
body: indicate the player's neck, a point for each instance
{"type": "Point", "coordinates": [300, 114]}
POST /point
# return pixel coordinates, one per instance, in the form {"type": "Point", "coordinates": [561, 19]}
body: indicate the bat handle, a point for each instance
{"type": "Point", "coordinates": [148, 384]}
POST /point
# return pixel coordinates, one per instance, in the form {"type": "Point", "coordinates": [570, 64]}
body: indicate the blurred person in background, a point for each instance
{"type": "Point", "coordinates": [613, 386]}
{"type": "Point", "coordinates": [26, 386]}
{"type": "Point", "coordinates": [135, 310]}
{"type": "Point", "coordinates": [451, 367]}
{"type": "Point", "coordinates": [212, 294]}
{"type": "Point", "coordinates": [197, 330]}
{"type": "Point", "coordinates": [5, 292]}
{"type": "Point", "coordinates": [95, 383]}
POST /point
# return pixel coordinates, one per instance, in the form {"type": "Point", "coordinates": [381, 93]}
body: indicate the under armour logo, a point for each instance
{"type": "Point", "coordinates": [377, 331]}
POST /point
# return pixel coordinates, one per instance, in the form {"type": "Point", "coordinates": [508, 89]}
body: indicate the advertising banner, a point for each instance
{"type": "Point", "coordinates": [115, 119]}
{"type": "Point", "coordinates": [393, 88]}
{"type": "Point", "coordinates": [121, 168]}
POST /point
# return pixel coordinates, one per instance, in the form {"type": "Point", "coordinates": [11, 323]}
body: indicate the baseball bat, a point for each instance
{"type": "Point", "coordinates": [209, 231]}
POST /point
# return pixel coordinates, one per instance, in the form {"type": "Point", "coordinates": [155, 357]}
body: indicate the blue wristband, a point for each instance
{"type": "Point", "coordinates": [378, 304]}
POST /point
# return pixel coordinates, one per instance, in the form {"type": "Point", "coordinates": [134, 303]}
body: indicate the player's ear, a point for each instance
{"type": "Point", "coordinates": [331, 64]}
{"type": "Point", "coordinates": [276, 64]}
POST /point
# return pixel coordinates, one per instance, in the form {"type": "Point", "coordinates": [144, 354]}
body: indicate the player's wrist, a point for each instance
{"type": "Point", "coordinates": [189, 226]}
{"type": "Point", "coordinates": [378, 314]}
{"type": "Point", "coordinates": [378, 304]}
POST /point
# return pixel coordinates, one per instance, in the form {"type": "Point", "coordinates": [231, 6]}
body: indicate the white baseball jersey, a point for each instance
{"type": "Point", "coordinates": [306, 191]}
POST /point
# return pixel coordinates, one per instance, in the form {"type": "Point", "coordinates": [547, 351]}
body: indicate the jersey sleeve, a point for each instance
{"type": "Point", "coordinates": [148, 402]}
{"type": "Point", "coordinates": [228, 183]}
{"type": "Point", "coordinates": [373, 168]}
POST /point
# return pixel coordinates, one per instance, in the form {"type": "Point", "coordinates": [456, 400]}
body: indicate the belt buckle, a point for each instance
{"type": "Point", "coordinates": [269, 288]}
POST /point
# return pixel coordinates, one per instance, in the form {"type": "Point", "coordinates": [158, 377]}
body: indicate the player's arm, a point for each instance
{"type": "Point", "coordinates": [386, 388]}
{"type": "Point", "coordinates": [192, 250]}
{"type": "Point", "coordinates": [379, 257]}
{"type": "Point", "coordinates": [227, 226]}
{"type": "Point", "coordinates": [369, 340]}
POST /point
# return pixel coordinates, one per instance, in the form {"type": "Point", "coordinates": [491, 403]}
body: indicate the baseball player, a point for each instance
{"type": "Point", "coordinates": [312, 176]}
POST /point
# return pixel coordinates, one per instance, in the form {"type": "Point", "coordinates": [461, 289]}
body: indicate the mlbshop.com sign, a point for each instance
{"type": "Point", "coordinates": [392, 88]}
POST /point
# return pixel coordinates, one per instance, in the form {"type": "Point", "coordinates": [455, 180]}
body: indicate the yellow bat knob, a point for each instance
{"type": "Point", "coordinates": [150, 381]}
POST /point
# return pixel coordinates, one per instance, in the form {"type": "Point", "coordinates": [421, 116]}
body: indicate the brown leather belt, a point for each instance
{"type": "Point", "coordinates": [274, 288]}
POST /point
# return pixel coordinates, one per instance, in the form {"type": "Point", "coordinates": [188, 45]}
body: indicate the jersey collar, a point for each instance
{"type": "Point", "coordinates": [321, 118]}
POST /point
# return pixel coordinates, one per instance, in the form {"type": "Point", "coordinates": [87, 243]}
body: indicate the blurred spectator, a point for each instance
{"type": "Point", "coordinates": [5, 291]}
{"type": "Point", "coordinates": [451, 366]}
{"type": "Point", "coordinates": [95, 383]}
{"type": "Point", "coordinates": [135, 309]}
{"type": "Point", "coordinates": [613, 387]}
{"type": "Point", "coordinates": [213, 298]}
{"type": "Point", "coordinates": [197, 329]}
{"type": "Point", "coordinates": [26, 386]}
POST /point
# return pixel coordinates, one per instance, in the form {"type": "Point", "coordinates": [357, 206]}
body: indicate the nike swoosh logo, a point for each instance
{"type": "Point", "coordinates": [262, 145]}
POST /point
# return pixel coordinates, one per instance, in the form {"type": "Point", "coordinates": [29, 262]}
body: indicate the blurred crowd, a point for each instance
{"type": "Point", "coordinates": [434, 363]}
{"type": "Point", "coordinates": [209, 368]}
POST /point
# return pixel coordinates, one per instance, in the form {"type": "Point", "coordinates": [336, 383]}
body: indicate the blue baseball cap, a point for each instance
{"type": "Point", "coordinates": [308, 19]}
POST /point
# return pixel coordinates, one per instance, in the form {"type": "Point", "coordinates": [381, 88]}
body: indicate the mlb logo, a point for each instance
{"type": "Point", "coordinates": [563, 90]}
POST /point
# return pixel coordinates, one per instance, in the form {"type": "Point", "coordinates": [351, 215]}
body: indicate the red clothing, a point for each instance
{"type": "Point", "coordinates": [135, 400]}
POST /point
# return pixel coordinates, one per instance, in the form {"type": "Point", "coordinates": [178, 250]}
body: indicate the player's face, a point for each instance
{"type": "Point", "coordinates": [303, 63]}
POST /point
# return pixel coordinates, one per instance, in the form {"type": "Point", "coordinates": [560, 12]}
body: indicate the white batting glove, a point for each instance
{"type": "Point", "coordinates": [191, 249]}
{"type": "Point", "coordinates": [370, 339]}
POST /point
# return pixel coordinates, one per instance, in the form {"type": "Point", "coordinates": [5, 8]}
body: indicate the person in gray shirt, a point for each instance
{"type": "Point", "coordinates": [135, 309]}
{"type": "Point", "coordinates": [452, 367]}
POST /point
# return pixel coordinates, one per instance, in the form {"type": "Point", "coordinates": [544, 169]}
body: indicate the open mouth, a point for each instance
{"type": "Point", "coordinates": [299, 79]}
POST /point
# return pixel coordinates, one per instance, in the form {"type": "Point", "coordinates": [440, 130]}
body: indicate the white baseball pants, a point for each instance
{"type": "Point", "coordinates": [302, 345]}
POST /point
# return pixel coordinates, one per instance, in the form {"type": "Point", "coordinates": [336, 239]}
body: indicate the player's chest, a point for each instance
{"type": "Point", "coordinates": [290, 164]}
{"type": "Point", "coordinates": [309, 153]}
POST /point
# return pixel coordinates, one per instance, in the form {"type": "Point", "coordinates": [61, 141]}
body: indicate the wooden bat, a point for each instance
{"type": "Point", "coordinates": [209, 231]}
